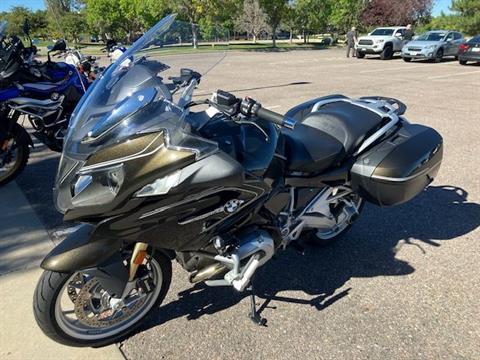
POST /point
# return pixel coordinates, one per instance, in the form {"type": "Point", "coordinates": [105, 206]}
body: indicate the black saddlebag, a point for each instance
{"type": "Point", "coordinates": [400, 167]}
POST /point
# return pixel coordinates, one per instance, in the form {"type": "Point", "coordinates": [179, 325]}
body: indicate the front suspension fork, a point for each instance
{"type": "Point", "coordinates": [139, 253]}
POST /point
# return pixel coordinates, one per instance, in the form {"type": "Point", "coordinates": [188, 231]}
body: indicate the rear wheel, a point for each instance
{"type": "Point", "coordinates": [14, 153]}
{"type": "Point", "coordinates": [73, 309]}
{"type": "Point", "coordinates": [463, 62]}
{"type": "Point", "coordinates": [346, 211]}
{"type": "Point", "coordinates": [387, 53]}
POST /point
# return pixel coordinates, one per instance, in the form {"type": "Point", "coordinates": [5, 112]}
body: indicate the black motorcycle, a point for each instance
{"type": "Point", "coordinates": [220, 190]}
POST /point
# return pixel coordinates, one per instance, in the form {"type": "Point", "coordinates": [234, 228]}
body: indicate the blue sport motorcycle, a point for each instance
{"type": "Point", "coordinates": [44, 94]}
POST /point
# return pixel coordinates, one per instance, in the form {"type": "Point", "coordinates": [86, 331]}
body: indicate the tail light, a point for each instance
{"type": "Point", "coordinates": [464, 47]}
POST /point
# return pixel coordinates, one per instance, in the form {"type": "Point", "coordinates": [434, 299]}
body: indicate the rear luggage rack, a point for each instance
{"type": "Point", "coordinates": [387, 108]}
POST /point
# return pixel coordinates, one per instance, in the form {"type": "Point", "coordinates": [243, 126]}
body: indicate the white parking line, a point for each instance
{"type": "Point", "coordinates": [456, 74]}
{"type": "Point", "coordinates": [273, 107]}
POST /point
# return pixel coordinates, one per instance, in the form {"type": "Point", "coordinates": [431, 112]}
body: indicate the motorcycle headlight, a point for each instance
{"type": "Point", "coordinates": [97, 187]}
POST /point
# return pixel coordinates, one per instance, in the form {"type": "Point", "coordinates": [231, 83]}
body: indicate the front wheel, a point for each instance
{"type": "Point", "coordinates": [73, 309]}
{"type": "Point", "coordinates": [407, 59]}
{"type": "Point", "coordinates": [387, 53]}
{"type": "Point", "coordinates": [463, 62]}
{"type": "Point", "coordinates": [360, 55]}
{"type": "Point", "coordinates": [438, 56]}
{"type": "Point", "coordinates": [345, 213]}
{"type": "Point", "coordinates": [14, 153]}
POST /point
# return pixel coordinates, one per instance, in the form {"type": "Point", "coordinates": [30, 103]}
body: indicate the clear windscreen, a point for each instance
{"type": "Point", "coordinates": [3, 28]}
{"type": "Point", "coordinates": [142, 92]}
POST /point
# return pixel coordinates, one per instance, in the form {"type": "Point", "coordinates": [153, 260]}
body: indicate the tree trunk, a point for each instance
{"type": "Point", "coordinates": [304, 36]}
{"type": "Point", "coordinates": [254, 38]}
{"type": "Point", "coordinates": [291, 36]}
{"type": "Point", "coordinates": [274, 36]}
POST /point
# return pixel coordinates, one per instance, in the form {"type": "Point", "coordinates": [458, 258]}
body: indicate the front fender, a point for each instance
{"type": "Point", "coordinates": [82, 249]}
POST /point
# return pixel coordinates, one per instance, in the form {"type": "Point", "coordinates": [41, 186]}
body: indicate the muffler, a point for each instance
{"type": "Point", "coordinates": [207, 273]}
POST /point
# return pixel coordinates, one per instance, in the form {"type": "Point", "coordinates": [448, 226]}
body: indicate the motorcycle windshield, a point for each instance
{"type": "Point", "coordinates": [140, 92]}
{"type": "Point", "coordinates": [3, 28]}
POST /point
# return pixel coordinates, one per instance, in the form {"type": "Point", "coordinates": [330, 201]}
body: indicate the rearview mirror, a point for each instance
{"type": "Point", "coordinates": [59, 45]}
{"type": "Point", "coordinates": [26, 27]}
{"type": "Point", "coordinates": [399, 35]}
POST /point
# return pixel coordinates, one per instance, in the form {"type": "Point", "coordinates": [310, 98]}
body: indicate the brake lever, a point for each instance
{"type": "Point", "coordinates": [239, 121]}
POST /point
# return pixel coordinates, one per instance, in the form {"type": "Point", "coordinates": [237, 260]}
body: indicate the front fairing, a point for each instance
{"type": "Point", "coordinates": [130, 128]}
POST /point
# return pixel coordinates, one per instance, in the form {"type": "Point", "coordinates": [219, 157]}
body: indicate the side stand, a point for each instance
{"type": "Point", "coordinates": [254, 314]}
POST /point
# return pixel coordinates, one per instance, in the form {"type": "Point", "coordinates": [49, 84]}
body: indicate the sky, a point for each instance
{"type": "Point", "coordinates": [40, 4]}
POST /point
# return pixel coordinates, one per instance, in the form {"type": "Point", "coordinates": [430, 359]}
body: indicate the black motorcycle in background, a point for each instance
{"type": "Point", "coordinates": [221, 190]}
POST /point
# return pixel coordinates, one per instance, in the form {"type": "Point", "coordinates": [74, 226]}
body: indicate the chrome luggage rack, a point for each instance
{"type": "Point", "coordinates": [386, 108]}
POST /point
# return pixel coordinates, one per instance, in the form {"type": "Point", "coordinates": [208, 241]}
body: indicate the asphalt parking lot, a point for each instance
{"type": "Point", "coordinates": [404, 283]}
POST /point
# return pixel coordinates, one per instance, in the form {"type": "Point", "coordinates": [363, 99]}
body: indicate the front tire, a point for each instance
{"type": "Point", "coordinates": [387, 53]}
{"type": "Point", "coordinates": [407, 59]}
{"type": "Point", "coordinates": [439, 56]}
{"type": "Point", "coordinates": [53, 286]}
{"type": "Point", "coordinates": [463, 62]}
{"type": "Point", "coordinates": [360, 55]}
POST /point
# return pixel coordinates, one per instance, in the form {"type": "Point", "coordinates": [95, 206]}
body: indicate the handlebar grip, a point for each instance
{"type": "Point", "coordinates": [275, 118]}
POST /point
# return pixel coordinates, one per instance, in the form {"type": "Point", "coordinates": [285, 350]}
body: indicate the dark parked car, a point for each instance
{"type": "Point", "coordinates": [469, 51]}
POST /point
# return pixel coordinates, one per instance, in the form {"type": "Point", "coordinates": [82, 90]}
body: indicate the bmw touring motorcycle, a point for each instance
{"type": "Point", "coordinates": [44, 93]}
{"type": "Point", "coordinates": [220, 190]}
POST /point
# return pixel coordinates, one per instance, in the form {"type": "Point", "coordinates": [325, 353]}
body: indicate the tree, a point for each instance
{"type": "Point", "coordinates": [73, 24]}
{"type": "Point", "coordinates": [468, 14]}
{"type": "Point", "coordinates": [387, 12]}
{"type": "Point", "coordinates": [312, 15]}
{"type": "Point", "coordinates": [194, 10]}
{"type": "Point", "coordinates": [39, 23]}
{"type": "Point", "coordinates": [346, 13]}
{"type": "Point", "coordinates": [275, 11]}
{"type": "Point", "coordinates": [15, 19]}
{"type": "Point", "coordinates": [252, 19]}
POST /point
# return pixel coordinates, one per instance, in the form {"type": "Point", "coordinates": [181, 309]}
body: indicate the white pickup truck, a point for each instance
{"type": "Point", "coordinates": [384, 41]}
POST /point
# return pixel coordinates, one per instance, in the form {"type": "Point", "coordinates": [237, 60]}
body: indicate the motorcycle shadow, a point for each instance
{"type": "Point", "coordinates": [441, 213]}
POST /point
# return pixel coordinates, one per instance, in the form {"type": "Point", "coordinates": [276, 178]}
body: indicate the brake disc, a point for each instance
{"type": "Point", "coordinates": [104, 316]}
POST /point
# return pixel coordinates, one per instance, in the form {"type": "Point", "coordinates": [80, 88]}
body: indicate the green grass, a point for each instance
{"type": "Point", "coordinates": [95, 49]}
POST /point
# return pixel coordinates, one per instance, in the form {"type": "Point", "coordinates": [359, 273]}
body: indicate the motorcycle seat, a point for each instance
{"type": "Point", "coordinates": [324, 138]}
{"type": "Point", "coordinates": [309, 150]}
{"type": "Point", "coordinates": [35, 102]}
{"type": "Point", "coordinates": [348, 123]}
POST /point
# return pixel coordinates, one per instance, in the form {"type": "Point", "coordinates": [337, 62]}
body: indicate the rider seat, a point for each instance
{"type": "Point", "coordinates": [324, 138]}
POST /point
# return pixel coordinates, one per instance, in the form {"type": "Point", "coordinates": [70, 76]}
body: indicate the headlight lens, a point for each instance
{"type": "Point", "coordinates": [430, 47]}
{"type": "Point", "coordinates": [97, 187]}
{"type": "Point", "coordinates": [160, 186]}
{"type": "Point", "coordinates": [380, 41]}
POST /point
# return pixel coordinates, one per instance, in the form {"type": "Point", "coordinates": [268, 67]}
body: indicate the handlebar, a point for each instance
{"type": "Point", "coordinates": [232, 106]}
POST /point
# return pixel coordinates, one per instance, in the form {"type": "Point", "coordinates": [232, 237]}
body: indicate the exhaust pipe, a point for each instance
{"type": "Point", "coordinates": [207, 273]}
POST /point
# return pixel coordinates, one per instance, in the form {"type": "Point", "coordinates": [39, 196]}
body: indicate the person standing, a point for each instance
{"type": "Point", "coordinates": [351, 41]}
{"type": "Point", "coordinates": [408, 34]}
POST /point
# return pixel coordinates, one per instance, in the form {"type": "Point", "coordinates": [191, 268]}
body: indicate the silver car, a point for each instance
{"type": "Point", "coordinates": [433, 45]}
